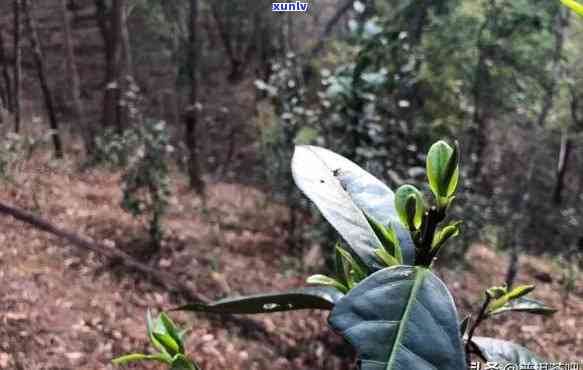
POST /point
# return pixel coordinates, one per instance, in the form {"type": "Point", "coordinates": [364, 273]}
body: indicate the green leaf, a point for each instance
{"type": "Point", "coordinates": [448, 232]}
{"type": "Point", "coordinates": [172, 330]}
{"type": "Point", "coordinates": [504, 352]}
{"type": "Point", "coordinates": [180, 362]}
{"type": "Point", "coordinates": [340, 266]}
{"type": "Point", "coordinates": [401, 318]}
{"type": "Point", "coordinates": [134, 357]}
{"type": "Point", "coordinates": [322, 298]}
{"type": "Point", "coordinates": [512, 295]}
{"type": "Point", "coordinates": [496, 291]}
{"type": "Point", "coordinates": [387, 259]}
{"type": "Point", "coordinates": [527, 305]}
{"type": "Point", "coordinates": [360, 271]}
{"type": "Point", "coordinates": [451, 175]}
{"type": "Point", "coordinates": [150, 327]}
{"type": "Point", "coordinates": [168, 342]}
{"type": "Point", "coordinates": [327, 281]}
{"type": "Point", "coordinates": [342, 191]}
{"type": "Point", "coordinates": [410, 206]}
{"type": "Point", "coordinates": [388, 238]}
{"type": "Point", "coordinates": [574, 5]}
{"type": "Point", "coordinates": [442, 179]}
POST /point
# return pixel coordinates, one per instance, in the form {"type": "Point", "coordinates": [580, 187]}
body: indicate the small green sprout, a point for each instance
{"type": "Point", "coordinates": [168, 340]}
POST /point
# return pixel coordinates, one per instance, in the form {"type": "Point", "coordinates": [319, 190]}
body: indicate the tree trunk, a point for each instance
{"type": "Point", "coordinates": [103, 23]}
{"type": "Point", "coordinates": [84, 128]}
{"type": "Point", "coordinates": [112, 94]}
{"type": "Point", "coordinates": [128, 67]}
{"type": "Point", "coordinates": [7, 96]}
{"type": "Point", "coordinates": [17, 65]}
{"type": "Point", "coordinates": [564, 157]}
{"type": "Point", "coordinates": [42, 76]}
{"type": "Point", "coordinates": [559, 31]}
{"type": "Point", "coordinates": [191, 117]}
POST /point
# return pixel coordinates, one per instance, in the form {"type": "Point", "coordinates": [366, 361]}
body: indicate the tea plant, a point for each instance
{"type": "Point", "coordinates": [145, 183]}
{"type": "Point", "coordinates": [384, 298]}
{"type": "Point", "coordinates": [141, 153]}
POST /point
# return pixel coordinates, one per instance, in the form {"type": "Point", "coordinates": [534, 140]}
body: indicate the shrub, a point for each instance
{"type": "Point", "coordinates": [141, 152]}
{"type": "Point", "coordinates": [384, 298]}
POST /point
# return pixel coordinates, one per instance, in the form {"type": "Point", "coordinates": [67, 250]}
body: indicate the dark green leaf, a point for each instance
{"type": "Point", "coordinates": [504, 352]}
{"type": "Point", "coordinates": [527, 305]}
{"type": "Point", "coordinates": [342, 191]}
{"type": "Point", "coordinates": [322, 298]}
{"type": "Point", "coordinates": [401, 318]}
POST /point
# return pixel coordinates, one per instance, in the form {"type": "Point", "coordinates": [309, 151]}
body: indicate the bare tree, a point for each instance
{"type": "Point", "coordinates": [191, 116]}
{"type": "Point", "coordinates": [84, 128]}
{"type": "Point", "coordinates": [112, 30]}
{"type": "Point", "coordinates": [42, 76]}
{"type": "Point", "coordinates": [16, 104]}
{"type": "Point", "coordinates": [238, 24]}
{"type": "Point", "coordinates": [6, 90]}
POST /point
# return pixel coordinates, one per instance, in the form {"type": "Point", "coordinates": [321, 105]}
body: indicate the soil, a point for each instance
{"type": "Point", "coordinates": [64, 308]}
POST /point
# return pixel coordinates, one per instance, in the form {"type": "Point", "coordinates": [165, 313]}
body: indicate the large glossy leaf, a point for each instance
{"type": "Point", "coordinates": [322, 298]}
{"type": "Point", "coordinates": [401, 318]}
{"type": "Point", "coordinates": [504, 352]}
{"type": "Point", "coordinates": [342, 190]}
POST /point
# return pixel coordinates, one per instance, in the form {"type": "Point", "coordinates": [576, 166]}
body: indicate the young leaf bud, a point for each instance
{"type": "Point", "coordinates": [443, 171]}
{"type": "Point", "coordinates": [410, 206]}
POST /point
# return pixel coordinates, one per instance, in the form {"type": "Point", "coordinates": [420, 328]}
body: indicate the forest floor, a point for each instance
{"type": "Point", "coordinates": [66, 308]}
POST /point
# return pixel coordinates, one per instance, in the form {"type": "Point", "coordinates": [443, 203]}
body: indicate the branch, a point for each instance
{"type": "Point", "coordinates": [167, 280]}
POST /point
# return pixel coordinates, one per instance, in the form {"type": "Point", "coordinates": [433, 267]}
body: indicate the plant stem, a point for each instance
{"type": "Point", "coordinates": [481, 316]}
{"type": "Point", "coordinates": [432, 218]}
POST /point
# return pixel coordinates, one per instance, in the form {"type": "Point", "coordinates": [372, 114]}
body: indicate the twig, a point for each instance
{"type": "Point", "coordinates": [167, 280]}
{"type": "Point", "coordinates": [481, 316]}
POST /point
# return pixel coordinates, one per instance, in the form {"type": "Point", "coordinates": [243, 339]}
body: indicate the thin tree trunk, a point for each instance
{"type": "Point", "coordinates": [42, 76]}
{"type": "Point", "coordinates": [84, 128]}
{"type": "Point", "coordinates": [564, 158]}
{"type": "Point", "coordinates": [17, 65]}
{"type": "Point", "coordinates": [112, 94]}
{"type": "Point", "coordinates": [128, 66]}
{"type": "Point", "coordinates": [191, 119]}
{"type": "Point", "coordinates": [104, 28]}
{"type": "Point", "coordinates": [7, 96]}
{"type": "Point", "coordinates": [559, 30]}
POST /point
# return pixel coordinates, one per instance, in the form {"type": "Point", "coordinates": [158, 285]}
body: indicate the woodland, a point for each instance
{"type": "Point", "coordinates": [161, 154]}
